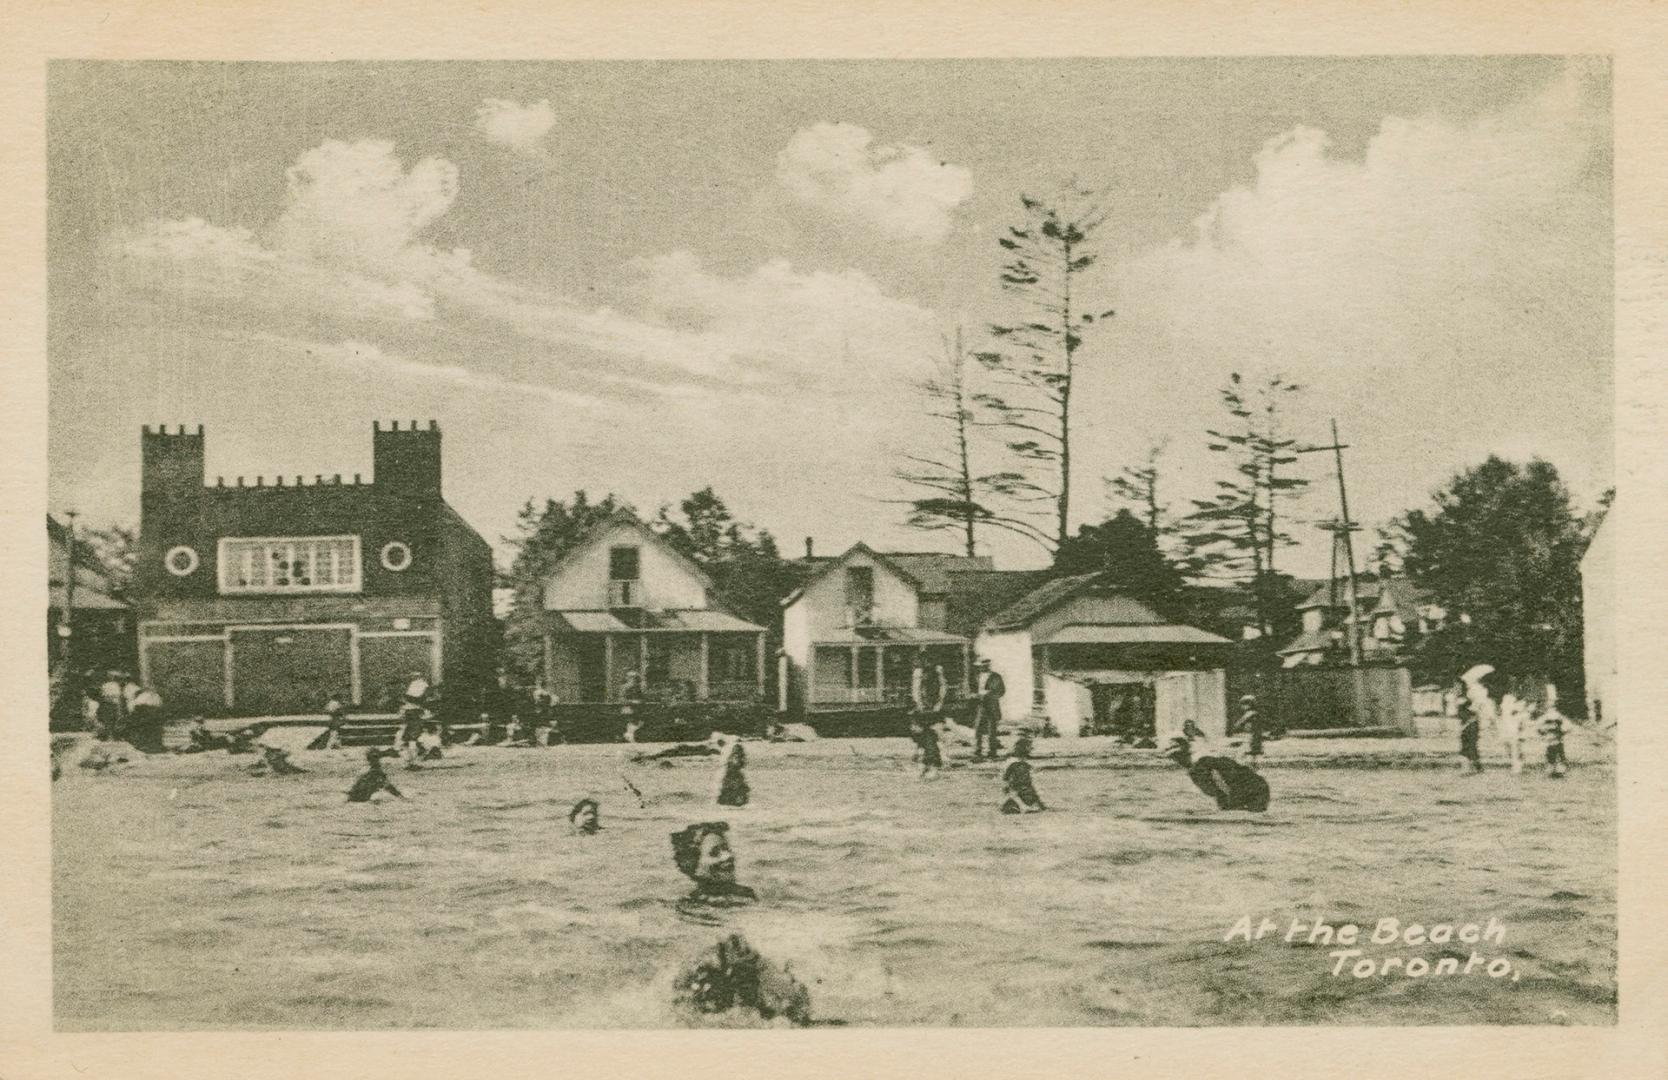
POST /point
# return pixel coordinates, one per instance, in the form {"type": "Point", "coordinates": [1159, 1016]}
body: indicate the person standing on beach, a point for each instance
{"type": "Point", "coordinates": [1470, 731]}
{"type": "Point", "coordinates": [1551, 730]}
{"type": "Point", "coordinates": [732, 774]}
{"type": "Point", "coordinates": [1251, 722]}
{"type": "Point", "coordinates": [987, 710]}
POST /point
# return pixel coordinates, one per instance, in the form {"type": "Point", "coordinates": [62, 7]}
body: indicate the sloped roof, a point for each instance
{"type": "Point", "coordinates": [1395, 594]}
{"type": "Point", "coordinates": [975, 595]}
{"type": "Point", "coordinates": [625, 517]}
{"type": "Point", "coordinates": [1119, 634]}
{"type": "Point", "coordinates": [824, 566]}
{"type": "Point", "coordinates": [1039, 600]}
{"type": "Point", "coordinates": [934, 570]}
{"type": "Point", "coordinates": [871, 635]}
{"type": "Point", "coordinates": [92, 585]}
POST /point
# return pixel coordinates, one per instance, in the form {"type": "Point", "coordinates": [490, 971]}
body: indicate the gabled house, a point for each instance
{"type": "Point", "coordinates": [1088, 659]}
{"type": "Point", "coordinates": [1393, 615]}
{"type": "Point", "coordinates": [851, 631]}
{"type": "Point", "coordinates": [624, 600]}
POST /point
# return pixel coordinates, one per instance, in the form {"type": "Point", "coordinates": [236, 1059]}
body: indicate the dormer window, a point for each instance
{"type": "Point", "coordinates": [625, 586]}
{"type": "Point", "coordinates": [860, 593]}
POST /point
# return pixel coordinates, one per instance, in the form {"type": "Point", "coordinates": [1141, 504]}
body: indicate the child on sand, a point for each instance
{"type": "Point", "coordinates": [1551, 729]}
{"type": "Point", "coordinates": [1019, 795]}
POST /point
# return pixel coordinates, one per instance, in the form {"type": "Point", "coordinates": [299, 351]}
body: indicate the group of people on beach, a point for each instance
{"type": "Point", "coordinates": [1488, 698]}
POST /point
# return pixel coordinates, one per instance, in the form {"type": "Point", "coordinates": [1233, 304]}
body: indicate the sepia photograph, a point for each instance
{"type": "Point", "coordinates": [1121, 542]}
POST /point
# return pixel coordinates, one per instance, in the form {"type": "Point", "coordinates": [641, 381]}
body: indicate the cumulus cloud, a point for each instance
{"type": "Point", "coordinates": [349, 244]}
{"type": "Point", "coordinates": [901, 189]}
{"type": "Point", "coordinates": [1442, 236]}
{"type": "Point", "coordinates": [519, 127]}
{"type": "Point", "coordinates": [776, 320]}
{"type": "Point", "coordinates": [1444, 284]}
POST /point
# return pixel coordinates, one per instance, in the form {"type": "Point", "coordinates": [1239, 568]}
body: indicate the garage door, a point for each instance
{"type": "Point", "coordinates": [279, 672]}
{"type": "Point", "coordinates": [190, 675]}
{"type": "Point", "coordinates": [385, 667]}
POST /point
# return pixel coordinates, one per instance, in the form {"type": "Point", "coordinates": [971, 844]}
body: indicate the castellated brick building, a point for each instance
{"type": "Point", "coordinates": [267, 598]}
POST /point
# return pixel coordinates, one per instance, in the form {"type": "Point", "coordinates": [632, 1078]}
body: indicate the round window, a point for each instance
{"type": "Point", "coordinates": [180, 561]}
{"type": "Point", "coordinates": [395, 555]}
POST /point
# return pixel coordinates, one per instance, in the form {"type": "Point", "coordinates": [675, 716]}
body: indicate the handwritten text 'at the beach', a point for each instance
{"type": "Point", "coordinates": [1350, 942]}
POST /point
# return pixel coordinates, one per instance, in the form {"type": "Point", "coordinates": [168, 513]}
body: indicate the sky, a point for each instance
{"type": "Point", "coordinates": [651, 277]}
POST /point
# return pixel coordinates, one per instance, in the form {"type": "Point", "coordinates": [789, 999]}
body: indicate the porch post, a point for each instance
{"type": "Point", "coordinates": [703, 679]}
{"type": "Point", "coordinates": [643, 663]}
{"type": "Point", "coordinates": [607, 667]}
{"type": "Point", "coordinates": [855, 680]}
{"type": "Point", "coordinates": [758, 650]}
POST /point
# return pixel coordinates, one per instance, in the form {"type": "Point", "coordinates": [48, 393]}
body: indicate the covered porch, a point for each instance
{"type": "Point", "coordinates": [872, 665]}
{"type": "Point", "coordinates": [1132, 681]}
{"type": "Point", "coordinates": [679, 656]}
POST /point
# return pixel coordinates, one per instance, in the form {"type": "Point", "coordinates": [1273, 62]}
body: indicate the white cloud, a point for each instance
{"type": "Point", "coordinates": [349, 244]}
{"type": "Point", "coordinates": [814, 325]}
{"type": "Point", "coordinates": [1433, 293]}
{"type": "Point", "coordinates": [519, 127]}
{"type": "Point", "coordinates": [901, 189]}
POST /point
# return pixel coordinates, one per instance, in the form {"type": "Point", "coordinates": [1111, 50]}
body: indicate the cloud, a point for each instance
{"type": "Point", "coordinates": [349, 247]}
{"type": "Point", "coordinates": [519, 127]}
{"type": "Point", "coordinates": [901, 189]}
{"type": "Point", "coordinates": [370, 361]}
{"type": "Point", "coordinates": [1444, 288]}
{"type": "Point", "coordinates": [775, 321]}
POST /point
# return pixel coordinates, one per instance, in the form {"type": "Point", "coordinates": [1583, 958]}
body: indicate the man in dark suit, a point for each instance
{"type": "Point", "coordinates": [987, 710]}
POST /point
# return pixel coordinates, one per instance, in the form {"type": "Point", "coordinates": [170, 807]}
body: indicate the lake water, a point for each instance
{"type": "Point", "coordinates": [191, 895]}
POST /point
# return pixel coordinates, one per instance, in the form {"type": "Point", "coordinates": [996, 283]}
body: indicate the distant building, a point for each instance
{"type": "Point", "coordinates": [269, 598]}
{"type": "Point", "coordinates": [1598, 619]}
{"type": "Point", "coordinates": [624, 600]}
{"type": "Point", "coordinates": [99, 635]}
{"type": "Point", "coordinates": [1393, 616]}
{"type": "Point", "coordinates": [852, 630]}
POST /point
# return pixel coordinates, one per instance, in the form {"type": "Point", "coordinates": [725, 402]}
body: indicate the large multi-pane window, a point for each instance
{"type": "Point", "coordinates": [289, 564]}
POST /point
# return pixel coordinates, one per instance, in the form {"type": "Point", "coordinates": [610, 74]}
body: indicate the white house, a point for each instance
{"type": "Point", "coordinates": [623, 600]}
{"type": "Point", "coordinates": [1088, 659]}
{"type": "Point", "coordinates": [851, 632]}
{"type": "Point", "coordinates": [1598, 619]}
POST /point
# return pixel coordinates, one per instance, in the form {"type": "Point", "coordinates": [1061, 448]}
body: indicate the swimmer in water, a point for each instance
{"type": "Point", "coordinates": [702, 853]}
{"type": "Point", "coordinates": [585, 817]}
{"type": "Point", "coordinates": [732, 774]}
{"type": "Point", "coordinates": [1232, 785]}
{"type": "Point", "coordinates": [1019, 795]}
{"type": "Point", "coordinates": [373, 779]}
{"type": "Point", "coordinates": [275, 761]}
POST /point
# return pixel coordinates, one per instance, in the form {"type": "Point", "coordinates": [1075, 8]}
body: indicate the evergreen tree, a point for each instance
{"type": "Point", "coordinates": [1126, 553]}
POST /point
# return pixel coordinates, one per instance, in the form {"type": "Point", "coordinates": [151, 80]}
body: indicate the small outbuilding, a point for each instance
{"type": "Point", "coordinates": [1089, 659]}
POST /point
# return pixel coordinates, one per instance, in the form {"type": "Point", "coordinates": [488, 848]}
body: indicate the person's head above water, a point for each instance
{"type": "Point", "coordinates": [1021, 747]}
{"type": "Point", "coordinates": [585, 816]}
{"type": "Point", "coordinates": [1180, 750]}
{"type": "Point", "coordinates": [703, 853]}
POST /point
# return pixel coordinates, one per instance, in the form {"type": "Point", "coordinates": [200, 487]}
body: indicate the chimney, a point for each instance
{"type": "Point", "coordinates": [809, 549]}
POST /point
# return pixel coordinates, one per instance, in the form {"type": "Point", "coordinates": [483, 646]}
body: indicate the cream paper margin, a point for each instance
{"type": "Point", "coordinates": [1632, 33]}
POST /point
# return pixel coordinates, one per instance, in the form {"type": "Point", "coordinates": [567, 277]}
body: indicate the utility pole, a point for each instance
{"type": "Point", "coordinates": [1345, 526]}
{"type": "Point", "coordinates": [67, 630]}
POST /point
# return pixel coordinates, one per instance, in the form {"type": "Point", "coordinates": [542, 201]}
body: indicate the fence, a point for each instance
{"type": "Point", "coordinates": [1320, 699]}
